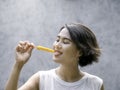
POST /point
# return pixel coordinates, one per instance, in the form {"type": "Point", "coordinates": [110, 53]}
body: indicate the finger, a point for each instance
{"type": "Point", "coordinates": [18, 47]}
{"type": "Point", "coordinates": [32, 45]}
{"type": "Point", "coordinates": [21, 42]}
{"type": "Point", "coordinates": [21, 47]}
{"type": "Point", "coordinates": [24, 44]}
{"type": "Point", "coordinates": [30, 49]}
{"type": "Point", "coordinates": [27, 45]}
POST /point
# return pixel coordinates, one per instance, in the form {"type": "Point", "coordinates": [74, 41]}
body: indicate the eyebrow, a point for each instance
{"type": "Point", "coordinates": [64, 38]}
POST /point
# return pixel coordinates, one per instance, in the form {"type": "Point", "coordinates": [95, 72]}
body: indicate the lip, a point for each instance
{"type": "Point", "coordinates": [57, 53]}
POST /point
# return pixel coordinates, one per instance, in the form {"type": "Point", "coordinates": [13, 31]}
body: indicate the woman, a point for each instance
{"type": "Point", "coordinates": [75, 46]}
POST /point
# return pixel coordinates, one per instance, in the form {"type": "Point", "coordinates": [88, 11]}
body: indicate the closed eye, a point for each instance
{"type": "Point", "coordinates": [64, 40]}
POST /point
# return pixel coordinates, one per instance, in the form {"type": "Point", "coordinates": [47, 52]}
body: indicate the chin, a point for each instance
{"type": "Point", "coordinates": [57, 60]}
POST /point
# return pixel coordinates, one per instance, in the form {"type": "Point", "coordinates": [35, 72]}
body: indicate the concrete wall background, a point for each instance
{"type": "Point", "coordinates": [39, 22]}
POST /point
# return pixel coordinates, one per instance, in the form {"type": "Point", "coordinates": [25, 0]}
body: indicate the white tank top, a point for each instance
{"type": "Point", "coordinates": [50, 81]}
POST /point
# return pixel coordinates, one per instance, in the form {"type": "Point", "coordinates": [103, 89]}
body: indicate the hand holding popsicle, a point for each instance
{"type": "Point", "coordinates": [24, 50]}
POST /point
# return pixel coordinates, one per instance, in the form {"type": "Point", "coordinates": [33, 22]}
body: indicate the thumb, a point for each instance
{"type": "Point", "coordinates": [30, 49]}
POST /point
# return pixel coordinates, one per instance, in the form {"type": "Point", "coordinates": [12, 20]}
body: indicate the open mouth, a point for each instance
{"type": "Point", "coordinates": [57, 53]}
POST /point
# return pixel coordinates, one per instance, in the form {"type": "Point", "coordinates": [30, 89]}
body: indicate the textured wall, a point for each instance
{"type": "Point", "coordinates": [39, 22]}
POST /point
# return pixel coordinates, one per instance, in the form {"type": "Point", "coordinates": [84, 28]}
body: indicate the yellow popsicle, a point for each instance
{"type": "Point", "coordinates": [44, 49]}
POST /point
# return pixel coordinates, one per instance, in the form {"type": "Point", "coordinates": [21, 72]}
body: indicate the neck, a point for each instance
{"type": "Point", "coordinates": [69, 74]}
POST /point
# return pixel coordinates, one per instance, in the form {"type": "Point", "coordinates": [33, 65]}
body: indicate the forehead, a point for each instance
{"type": "Point", "coordinates": [64, 33]}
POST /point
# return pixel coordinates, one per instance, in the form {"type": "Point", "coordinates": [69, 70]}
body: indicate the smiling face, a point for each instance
{"type": "Point", "coordinates": [65, 50]}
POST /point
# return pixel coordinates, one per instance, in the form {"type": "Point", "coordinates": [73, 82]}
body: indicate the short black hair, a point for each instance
{"type": "Point", "coordinates": [85, 40]}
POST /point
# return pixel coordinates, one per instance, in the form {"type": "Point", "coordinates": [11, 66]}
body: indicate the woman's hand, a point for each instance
{"type": "Point", "coordinates": [23, 52]}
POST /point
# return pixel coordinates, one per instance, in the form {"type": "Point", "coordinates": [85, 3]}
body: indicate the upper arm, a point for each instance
{"type": "Point", "coordinates": [32, 83]}
{"type": "Point", "coordinates": [102, 87]}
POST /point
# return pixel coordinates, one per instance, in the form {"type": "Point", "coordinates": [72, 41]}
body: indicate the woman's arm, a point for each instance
{"type": "Point", "coordinates": [32, 83]}
{"type": "Point", "coordinates": [102, 88]}
{"type": "Point", "coordinates": [13, 79]}
{"type": "Point", "coordinates": [23, 53]}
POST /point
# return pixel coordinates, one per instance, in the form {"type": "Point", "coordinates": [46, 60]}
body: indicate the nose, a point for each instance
{"type": "Point", "coordinates": [57, 46]}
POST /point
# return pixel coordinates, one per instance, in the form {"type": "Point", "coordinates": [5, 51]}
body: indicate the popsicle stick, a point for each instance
{"type": "Point", "coordinates": [44, 49]}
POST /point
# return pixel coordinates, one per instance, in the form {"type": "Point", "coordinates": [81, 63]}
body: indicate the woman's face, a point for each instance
{"type": "Point", "coordinates": [65, 50]}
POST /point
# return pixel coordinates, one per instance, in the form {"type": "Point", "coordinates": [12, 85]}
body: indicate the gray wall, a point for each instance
{"type": "Point", "coordinates": [39, 22]}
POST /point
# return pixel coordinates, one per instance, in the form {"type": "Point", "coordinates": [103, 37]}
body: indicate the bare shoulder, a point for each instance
{"type": "Point", "coordinates": [102, 87]}
{"type": "Point", "coordinates": [32, 83]}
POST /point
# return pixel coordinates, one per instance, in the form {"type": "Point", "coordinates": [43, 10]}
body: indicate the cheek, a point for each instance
{"type": "Point", "coordinates": [71, 52]}
{"type": "Point", "coordinates": [70, 56]}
